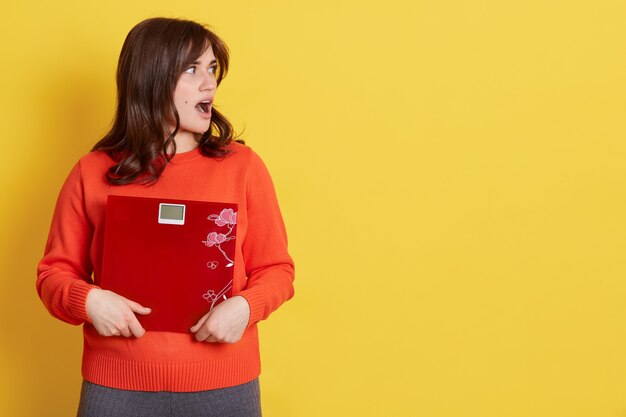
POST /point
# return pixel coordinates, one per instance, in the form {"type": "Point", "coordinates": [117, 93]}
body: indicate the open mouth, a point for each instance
{"type": "Point", "coordinates": [203, 106]}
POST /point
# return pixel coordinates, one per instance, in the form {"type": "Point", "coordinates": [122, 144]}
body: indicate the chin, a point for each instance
{"type": "Point", "coordinates": [199, 130]}
{"type": "Point", "coordinates": [204, 128]}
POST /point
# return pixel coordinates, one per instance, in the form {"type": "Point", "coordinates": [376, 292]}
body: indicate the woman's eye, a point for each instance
{"type": "Point", "coordinates": [190, 70]}
{"type": "Point", "coordinates": [213, 69]}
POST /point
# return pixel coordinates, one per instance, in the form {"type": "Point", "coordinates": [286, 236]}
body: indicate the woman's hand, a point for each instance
{"type": "Point", "coordinates": [225, 323]}
{"type": "Point", "coordinates": [114, 315]}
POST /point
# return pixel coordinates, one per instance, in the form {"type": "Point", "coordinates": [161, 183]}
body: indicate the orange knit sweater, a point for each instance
{"type": "Point", "coordinates": [164, 361]}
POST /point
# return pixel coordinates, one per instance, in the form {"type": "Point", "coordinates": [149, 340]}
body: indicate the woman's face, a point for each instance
{"type": "Point", "coordinates": [194, 93]}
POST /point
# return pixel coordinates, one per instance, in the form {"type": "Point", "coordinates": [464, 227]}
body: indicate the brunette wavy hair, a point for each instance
{"type": "Point", "coordinates": [154, 55]}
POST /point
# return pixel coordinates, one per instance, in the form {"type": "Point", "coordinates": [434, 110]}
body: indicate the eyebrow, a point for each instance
{"type": "Point", "coordinates": [210, 63]}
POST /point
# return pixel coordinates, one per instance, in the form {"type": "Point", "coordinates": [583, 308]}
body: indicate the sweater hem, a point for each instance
{"type": "Point", "coordinates": [120, 373]}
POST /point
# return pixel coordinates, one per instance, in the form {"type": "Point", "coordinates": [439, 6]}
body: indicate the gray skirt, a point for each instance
{"type": "Point", "coordinates": [238, 401]}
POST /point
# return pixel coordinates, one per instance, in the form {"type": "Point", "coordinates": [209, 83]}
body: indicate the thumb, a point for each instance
{"type": "Point", "coordinates": [137, 308]}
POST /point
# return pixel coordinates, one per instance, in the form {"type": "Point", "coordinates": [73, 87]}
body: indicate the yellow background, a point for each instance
{"type": "Point", "coordinates": [451, 174]}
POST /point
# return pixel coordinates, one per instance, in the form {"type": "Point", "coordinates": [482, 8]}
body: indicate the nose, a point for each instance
{"type": "Point", "coordinates": [208, 82]}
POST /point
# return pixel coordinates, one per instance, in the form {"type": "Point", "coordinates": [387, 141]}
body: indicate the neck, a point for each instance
{"type": "Point", "coordinates": [185, 142]}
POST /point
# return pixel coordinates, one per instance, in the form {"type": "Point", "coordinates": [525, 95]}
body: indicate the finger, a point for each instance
{"type": "Point", "coordinates": [137, 308]}
{"type": "Point", "coordinates": [212, 339]}
{"type": "Point", "coordinates": [135, 328]}
{"type": "Point", "coordinates": [200, 323]}
{"type": "Point", "coordinates": [125, 332]}
{"type": "Point", "coordinates": [203, 333]}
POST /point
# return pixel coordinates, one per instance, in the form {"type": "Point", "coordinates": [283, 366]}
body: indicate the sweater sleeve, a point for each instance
{"type": "Point", "coordinates": [64, 272]}
{"type": "Point", "coordinates": [269, 267]}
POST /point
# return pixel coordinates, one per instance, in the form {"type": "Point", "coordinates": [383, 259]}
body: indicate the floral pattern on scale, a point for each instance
{"type": "Point", "coordinates": [228, 218]}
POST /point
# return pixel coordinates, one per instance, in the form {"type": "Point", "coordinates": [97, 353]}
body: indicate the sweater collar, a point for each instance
{"type": "Point", "coordinates": [183, 157]}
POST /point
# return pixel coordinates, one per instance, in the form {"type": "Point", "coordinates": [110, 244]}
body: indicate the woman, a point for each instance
{"type": "Point", "coordinates": [168, 142]}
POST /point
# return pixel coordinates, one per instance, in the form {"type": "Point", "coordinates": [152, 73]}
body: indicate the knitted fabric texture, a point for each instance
{"type": "Point", "coordinates": [164, 361]}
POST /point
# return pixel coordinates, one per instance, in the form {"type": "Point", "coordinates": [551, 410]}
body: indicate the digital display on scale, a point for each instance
{"type": "Point", "coordinates": [171, 213]}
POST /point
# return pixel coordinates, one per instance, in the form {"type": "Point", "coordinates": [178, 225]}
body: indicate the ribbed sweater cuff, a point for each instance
{"type": "Point", "coordinates": [256, 301]}
{"type": "Point", "coordinates": [77, 298]}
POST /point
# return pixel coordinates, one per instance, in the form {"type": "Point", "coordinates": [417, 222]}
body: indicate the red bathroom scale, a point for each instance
{"type": "Point", "coordinates": [174, 256]}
